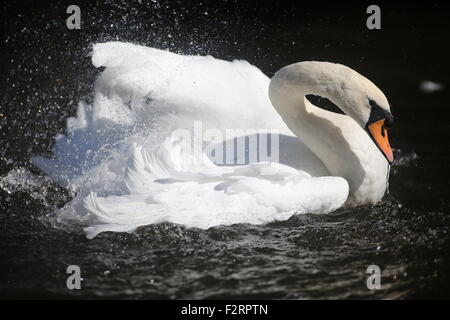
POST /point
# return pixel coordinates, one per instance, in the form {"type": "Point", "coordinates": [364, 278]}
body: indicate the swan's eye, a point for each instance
{"type": "Point", "coordinates": [377, 113]}
{"type": "Point", "coordinates": [373, 104]}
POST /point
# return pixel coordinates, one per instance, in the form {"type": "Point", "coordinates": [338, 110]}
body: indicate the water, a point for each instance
{"type": "Point", "coordinates": [47, 71]}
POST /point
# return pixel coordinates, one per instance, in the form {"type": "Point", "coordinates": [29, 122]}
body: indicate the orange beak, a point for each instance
{"type": "Point", "coordinates": [379, 134]}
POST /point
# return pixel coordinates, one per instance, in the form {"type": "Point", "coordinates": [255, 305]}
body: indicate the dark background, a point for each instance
{"type": "Point", "coordinates": [46, 70]}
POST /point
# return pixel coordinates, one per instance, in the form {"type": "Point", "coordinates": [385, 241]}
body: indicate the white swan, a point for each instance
{"type": "Point", "coordinates": [127, 169]}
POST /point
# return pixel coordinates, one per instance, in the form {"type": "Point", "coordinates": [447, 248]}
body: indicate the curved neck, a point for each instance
{"type": "Point", "coordinates": [291, 84]}
{"type": "Point", "coordinates": [336, 139]}
{"type": "Point", "coordinates": [318, 128]}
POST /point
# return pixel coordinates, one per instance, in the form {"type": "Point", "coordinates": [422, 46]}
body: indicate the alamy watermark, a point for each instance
{"type": "Point", "coordinates": [374, 280]}
{"type": "Point", "coordinates": [229, 146]}
{"type": "Point", "coordinates": [74, 20]}
{"type": "Point", "coordinates": [374, 20]}
{"type": "Point", "coordinates": [74, 280]}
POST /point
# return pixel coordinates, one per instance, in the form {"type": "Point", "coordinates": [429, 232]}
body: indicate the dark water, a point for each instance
{"type": "Point", "coordinates": [46, 70]}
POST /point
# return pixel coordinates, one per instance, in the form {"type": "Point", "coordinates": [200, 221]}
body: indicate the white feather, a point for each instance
{"type": "Point", "coordinates": [126, 168]}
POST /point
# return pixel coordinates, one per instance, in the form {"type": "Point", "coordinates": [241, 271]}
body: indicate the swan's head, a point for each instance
{"type": "Point", "coordinates": [362, 100]}
{"type": "Point", "coordinates": [354, 94]}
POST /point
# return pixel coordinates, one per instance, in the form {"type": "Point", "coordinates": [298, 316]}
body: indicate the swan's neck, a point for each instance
{"type": "Point", "coordinates": [319, 129]}
{"type": "Point", "coordinates": [337, 140]}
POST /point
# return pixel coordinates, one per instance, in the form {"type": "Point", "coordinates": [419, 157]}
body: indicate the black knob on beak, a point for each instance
{"type": "Point", "coordinates": [389, 120]}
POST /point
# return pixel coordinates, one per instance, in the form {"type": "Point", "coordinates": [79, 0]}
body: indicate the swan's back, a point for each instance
{"type": "Point", "coordinates": [223, 94]}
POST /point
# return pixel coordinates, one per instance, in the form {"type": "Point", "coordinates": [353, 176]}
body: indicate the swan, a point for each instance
{"type": "Point", "coordinates": [126, 169]}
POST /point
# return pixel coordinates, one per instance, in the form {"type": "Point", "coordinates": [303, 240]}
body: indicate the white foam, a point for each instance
{"type": "Point", "coordinates": [23, 180]}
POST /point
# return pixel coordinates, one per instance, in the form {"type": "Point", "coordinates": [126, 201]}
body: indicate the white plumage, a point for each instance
{"type": "Point", "coordinates": [127, 169]}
